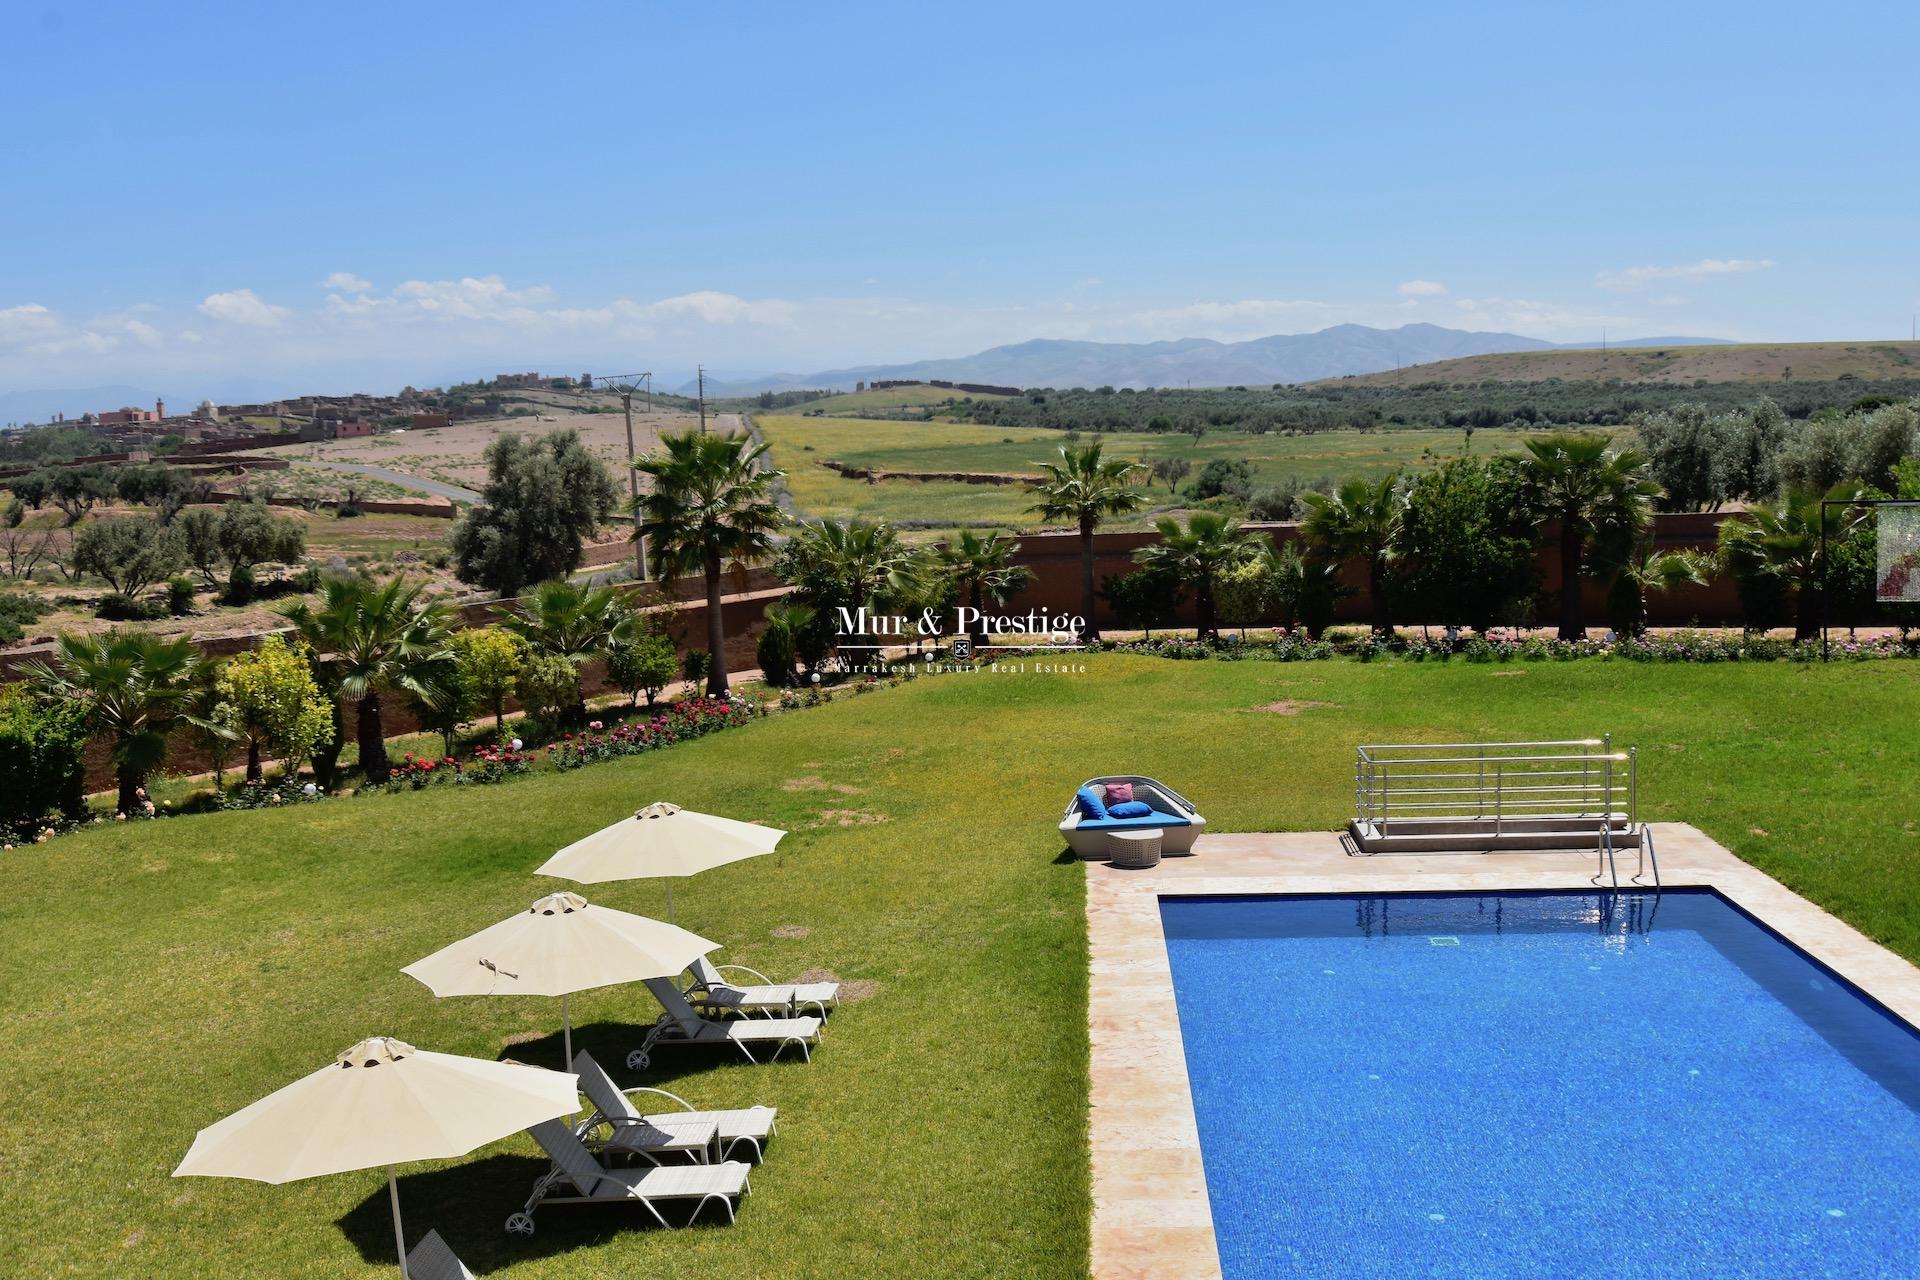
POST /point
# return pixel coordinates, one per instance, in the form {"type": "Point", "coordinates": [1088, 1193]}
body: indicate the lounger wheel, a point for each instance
{"type": "Point", "coordinates": [639, 1060]}
{"type": "Point", "coordinates": [520, 1224]}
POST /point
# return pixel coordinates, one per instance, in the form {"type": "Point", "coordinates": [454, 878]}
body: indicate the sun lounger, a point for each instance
{"type": "Point", "coordinates": [431, 1259]}
{"type": "Point", "coordinates": [578, 1178]}
{"type": "Point", "coordinates": [1086, 823]}
{"type": "Point", "coordinates": [637, 1133]}
{"type": "Point", "coordinates": [711, 990]}
{"type": "Point", "coordinates": [680, 1024]}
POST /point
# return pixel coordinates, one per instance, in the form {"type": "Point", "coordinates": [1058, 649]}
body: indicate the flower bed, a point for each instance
{"type": "Point", "coordinates": [684, 720]}
{"type": "Point", "coordinates": [274, 795]}
{"type": "Point", "coordinates": [1498, 645]}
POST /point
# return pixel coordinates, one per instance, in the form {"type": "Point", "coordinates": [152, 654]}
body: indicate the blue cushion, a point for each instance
{"type": "Point", "coordinates": [1130, 809]}
{"type": "Point", "coordinates": [1090, 804]}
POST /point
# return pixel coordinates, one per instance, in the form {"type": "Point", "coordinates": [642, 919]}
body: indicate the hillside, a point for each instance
{"type": "Point", "coordinates": [1198, 362]}
{"type": "Point", "coordinates": [1676, 365]}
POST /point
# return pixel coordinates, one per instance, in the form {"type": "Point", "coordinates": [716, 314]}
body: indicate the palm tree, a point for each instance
{"type": "Point", "coordinates": [1780, 544]}
{"type": "Point", "coordinates": [982, 569]}
{"type": "Point", "coordinates": [1361, 521]}
{"type": "Point", "coordinates": [137, 689]}
{"type": "Point", "coordinates": [1197, 556]}
{"type": "Point", "coordinates": [1085, 488]}
{"type": "Point", "coordinates": [711, 506]}
{"type": "Point", "coordinates": [1574, 478]}
{"type": "Point", "coordinates": [571, 621]}
{"type": "Point", "coordinates": [373, 638]}
{"type": "Point", "coordinates": [847, 570]}
{"type": "Point", "coordinates": [1645, 571]}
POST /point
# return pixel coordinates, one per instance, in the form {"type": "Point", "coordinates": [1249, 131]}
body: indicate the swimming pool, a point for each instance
{"type": "Point", "coordinates": [1551, 1084]}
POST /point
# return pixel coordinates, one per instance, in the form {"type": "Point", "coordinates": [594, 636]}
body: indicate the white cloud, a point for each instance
{"type": "Point", "coordinates": [346, 282]}
{"type": "Point", "coordinates": [27, 321]}
{"type": "Point", "coordinates": [1224, 321]}
{"type": "Point", "coordinates": [243, 307]}
{"type": "Point", "coordinates": [1534, 318]}
{"type": "Point", "coordinates": [1422, 289]}
{"type": "Point", "coordinates": [1633, 278]}
{"type": "Point", "coordinates": [426, 330]}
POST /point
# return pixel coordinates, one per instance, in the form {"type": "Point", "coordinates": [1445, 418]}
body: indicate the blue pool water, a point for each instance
{"type": "Point", "coordinates": [1554, 1085]}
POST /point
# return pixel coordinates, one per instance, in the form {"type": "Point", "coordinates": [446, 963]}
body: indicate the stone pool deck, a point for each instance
{"type": "Point", "coordinates": [1151, 1216]}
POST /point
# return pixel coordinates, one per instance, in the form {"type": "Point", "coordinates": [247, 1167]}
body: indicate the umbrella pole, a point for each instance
{"type": "Point", "coordinates": [566, 1021]}
{"type": "Point", "coordinates": [670, 902]}
{"type": "Point", "coordinates": [399, 1240]}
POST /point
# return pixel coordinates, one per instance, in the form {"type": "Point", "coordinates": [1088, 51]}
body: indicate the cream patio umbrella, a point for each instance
{"type": "Point", "coordinates": [559, 945]}
{"type": "Point", "coordinates": [661, 840]}
{"type": "Point", "coordinates": [381, 1103]}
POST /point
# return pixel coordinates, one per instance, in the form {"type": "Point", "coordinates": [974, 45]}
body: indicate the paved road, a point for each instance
{"type": "Point", "coordinates": [451, 492]}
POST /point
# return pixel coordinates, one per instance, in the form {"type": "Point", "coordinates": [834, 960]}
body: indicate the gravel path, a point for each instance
{"type": "Point", "coordinates": [439, 489]}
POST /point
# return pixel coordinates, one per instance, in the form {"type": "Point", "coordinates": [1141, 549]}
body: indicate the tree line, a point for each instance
{"type": "Point", "coordinates": [1367, 406]}
{"type": "Point", "coordinates": [1455, 545]}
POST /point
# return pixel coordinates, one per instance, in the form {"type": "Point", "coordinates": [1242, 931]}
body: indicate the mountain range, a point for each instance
{"type": "Point", "coordinates": [1201, 362]}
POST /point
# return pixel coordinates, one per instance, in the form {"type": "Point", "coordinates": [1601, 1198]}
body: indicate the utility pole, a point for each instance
{"type": "Point", "coordinates": [701, 372]}
{"type": "Point", "coordinates": [624, 385]}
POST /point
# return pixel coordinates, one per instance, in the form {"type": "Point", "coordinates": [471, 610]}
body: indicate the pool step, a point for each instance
{"type": "Point", "coordinates": [1479, 835]}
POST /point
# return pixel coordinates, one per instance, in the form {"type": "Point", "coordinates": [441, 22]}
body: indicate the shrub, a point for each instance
{"type": "Point", "coordinates": [645, 664]}
{"type": "Point", "coordinates": [1145, 598]}
{"type": "Point", "coordinates": [549, 687]}
{"type": "Point", "coordinates": [488, 661]}
{"type": "Point", "coordinates": [695, 665]}
{"type": "Point", "coordinates": [1222, 477]}
{"type": "Point", "coordinates": [42, 748]}
{"type": "Point", "coordinates": [18, 611]}
{"type": "Point", "coordinates": [276, 704]}
{"type": "Point", "coordinates": [180, 597]}
{"type": "Point", "coordinates": [240, 586]}
{"type": "Point", "coordinates": [124, 608]}
{"type": "Point", "coordinates": [774, 651]}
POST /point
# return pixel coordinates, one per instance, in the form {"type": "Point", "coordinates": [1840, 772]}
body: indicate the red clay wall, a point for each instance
{"type": "Point", "coordinates": [1054, 559]}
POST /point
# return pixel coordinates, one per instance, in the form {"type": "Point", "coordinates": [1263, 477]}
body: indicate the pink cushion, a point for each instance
{"type": "Point", "coordinates": [1119, 793]}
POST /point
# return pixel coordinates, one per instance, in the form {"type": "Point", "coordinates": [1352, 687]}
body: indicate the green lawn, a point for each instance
{"type": "Point", "coordinates": [800, 444]}
{"type": "Point", "coordinates": [160, 976]}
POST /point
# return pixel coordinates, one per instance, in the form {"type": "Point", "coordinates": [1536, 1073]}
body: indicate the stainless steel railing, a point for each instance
{"type": "Point", "coordinates": [1504, 787]}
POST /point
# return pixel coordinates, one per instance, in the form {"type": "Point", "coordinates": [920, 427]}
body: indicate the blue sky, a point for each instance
{"type": "Point", "coordinates": [208, 197]}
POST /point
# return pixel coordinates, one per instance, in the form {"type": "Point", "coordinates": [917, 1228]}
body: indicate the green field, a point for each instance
{"type": "Point", "coordinates": [916, 398]}
{"type": "Point", "coordinates": [800, 444]}
{"type": "Point", "coordinates": [160, 976]}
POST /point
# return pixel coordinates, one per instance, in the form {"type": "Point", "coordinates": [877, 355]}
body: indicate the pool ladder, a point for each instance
{"type": "Point", "coordinates": [1609, 865]}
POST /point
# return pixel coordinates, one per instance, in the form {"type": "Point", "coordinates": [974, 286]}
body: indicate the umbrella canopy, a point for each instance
{"type": "Point", "coordinates": [559, 945]}
{"type": "Point", "coordinates": [660, 840]}
{"type": "Point", "coordinates": [382, 1102]}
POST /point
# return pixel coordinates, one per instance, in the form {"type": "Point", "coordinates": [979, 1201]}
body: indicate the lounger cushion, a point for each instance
{"type": "Point", "coordinates": [1090, 804]}
{"type": "Point", "coordinates": [1118, 793]}
{"type": "Point", "coordinates": [1154, 819]}
{"type": "Point", "coordinates": [1129, 809]}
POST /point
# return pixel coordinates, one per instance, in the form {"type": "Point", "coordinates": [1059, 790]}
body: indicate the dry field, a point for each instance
{"type": "Point", "coordinates": [378, 544]}
{"type": "Point", "coordinates": [453, 455]}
